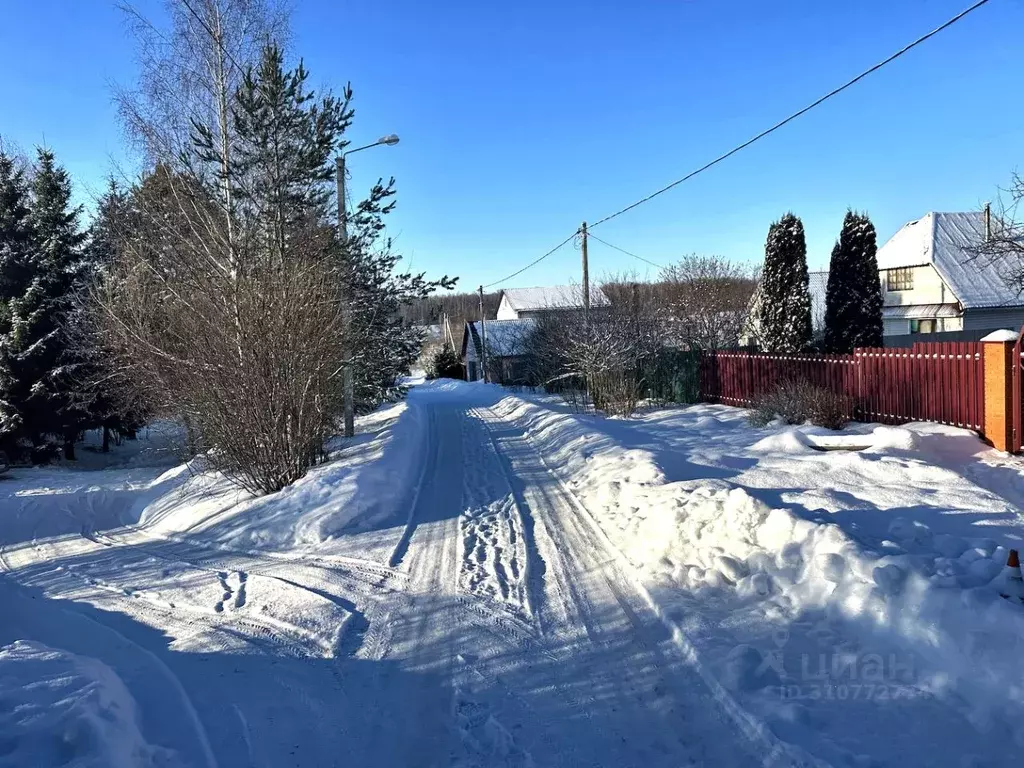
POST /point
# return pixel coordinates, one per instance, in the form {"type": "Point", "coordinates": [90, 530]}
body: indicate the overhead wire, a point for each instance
{"type": "Point", "coordinates": [622, 250]}
{"type": "Point", "coordinates": [795, 115]}
{"type": "Point", "coordinates": [533, 263]}
{"type": "Point", "coordinates": [834, 92]}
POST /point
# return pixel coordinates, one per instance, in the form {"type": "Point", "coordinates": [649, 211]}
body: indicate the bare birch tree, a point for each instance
{"type": "Point", "coordinates": [190, 68]}
{"type": "Point", "coordinates": [227, 314]}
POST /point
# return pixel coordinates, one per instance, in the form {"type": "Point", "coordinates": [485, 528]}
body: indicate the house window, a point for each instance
{"type": "Point", "coordinates": [922, 326]}
{"type": "Point", "coordinates": [901, 279]}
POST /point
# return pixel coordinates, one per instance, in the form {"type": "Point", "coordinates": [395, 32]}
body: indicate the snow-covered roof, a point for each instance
{"type": "Point", "coordinates": [430, 332]}
{"type": "Point", "coordinates": [949, 242]}
{"type": "Point", "coordinates": [918, 311]}
{"type": "Point", "coordinates": [505, 338]}
{"type": "Point", "coordinates": [553, 297]}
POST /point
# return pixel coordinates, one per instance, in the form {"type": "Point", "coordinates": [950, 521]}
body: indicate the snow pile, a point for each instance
{"type": "Point", "coordinates": [366, 488]}
{"type": "Point", "coordinates": [943, 601]}
{"type": "Point", "coordinates": [60, 709]}
{"type": "Point", "coordinates": [781, 549]}
{"type": "Point", "coordinates": [786, 441]}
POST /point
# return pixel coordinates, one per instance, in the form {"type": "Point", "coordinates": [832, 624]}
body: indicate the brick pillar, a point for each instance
{"type": "Point", "coordinates": [998, 357]}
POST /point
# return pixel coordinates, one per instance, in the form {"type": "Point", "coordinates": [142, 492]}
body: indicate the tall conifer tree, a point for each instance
{"type": "Point", "coordinates": [853, 303]}
{"type": "Point", "coordinates": [34, 342]}
{"type": "Point", "coordinates": [784, 303]}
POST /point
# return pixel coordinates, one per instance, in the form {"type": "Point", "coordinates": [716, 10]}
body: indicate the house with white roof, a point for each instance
{"type": "Point", "coordinates": [933, 278]}
{"type": "Point", "coordinates": [518, 311]}
{"type": "Point", "coordinates": [505, 348]}
{"type": "Point", "coordinates": [518, 303]}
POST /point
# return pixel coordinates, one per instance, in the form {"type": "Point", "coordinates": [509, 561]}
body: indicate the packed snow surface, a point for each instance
{"type": "Point", "coordinates": [61, 709]}
{"type": "Point", "coordinates": [482, 578]}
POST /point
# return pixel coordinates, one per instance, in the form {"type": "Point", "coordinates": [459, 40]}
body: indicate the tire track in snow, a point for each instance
{"type": "Point", "coordinates": [345, 639]}
{"type": "Point", "coordinates": [771, 750]}
{"type": "Point", "coordinates": [429, 467]}
{"type": "Point", "coordinates": [494, 552]}
{"type": "Point", "coordinates": [445, 611]}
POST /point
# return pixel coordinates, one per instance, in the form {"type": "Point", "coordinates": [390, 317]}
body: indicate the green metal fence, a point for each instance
{"type": "Point", "coordinates": [673, 376]}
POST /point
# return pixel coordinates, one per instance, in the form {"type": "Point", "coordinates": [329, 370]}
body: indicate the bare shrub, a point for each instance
{"type": "Point", "coordinates": [601, 353]}
{"type": "Point", "coordinates": [224, 304]}
{"type": "Point", "coordinates": [255, 381]}
{"type": "Point", "coordinates": [708, 299]}
{"type": "Point", "coordinates": [797, 401]}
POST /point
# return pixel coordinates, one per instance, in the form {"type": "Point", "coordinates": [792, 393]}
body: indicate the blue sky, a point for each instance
{"type": "Point", "coordinates": [520, 120]}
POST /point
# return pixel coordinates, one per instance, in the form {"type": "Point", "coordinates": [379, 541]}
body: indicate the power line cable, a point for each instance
{"type": "Point", "coordinates": [622, 250]}
{"type": "Point", "coordinates": [534, 262]}
{"type": "Point", "coordinates": [795, 115]}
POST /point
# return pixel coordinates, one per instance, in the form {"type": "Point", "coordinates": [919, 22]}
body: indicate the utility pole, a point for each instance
{"type": "Point", "coordinates": [347, 384]}
{"type": "Point", "coordinates": [586, 271]}
{"type": "Point", "coordinates": [448, 330]}
{"type": "Point", "coordinates": [483, 337]}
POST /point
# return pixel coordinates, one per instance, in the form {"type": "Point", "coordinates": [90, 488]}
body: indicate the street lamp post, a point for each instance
{"type": "Point", "coordinates": [347, 378]}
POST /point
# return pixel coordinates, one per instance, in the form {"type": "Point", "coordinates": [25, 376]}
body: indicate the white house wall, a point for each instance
{"type": "Point", "coordinates": [929, 288]}
{"type": "Point", "coordinates": [505, 310]}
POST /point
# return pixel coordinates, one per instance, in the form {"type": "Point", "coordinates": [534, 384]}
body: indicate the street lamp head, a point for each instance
{"type": "Point", "coordinates": [391, 139]}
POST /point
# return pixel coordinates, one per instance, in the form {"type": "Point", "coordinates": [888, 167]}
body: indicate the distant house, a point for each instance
{"type": "Point", "coordinates": [934, 280]}
{"type": "Point", "coordinates": [518, 311]}
{"type": "Point", "coordinates": [519, 303]}
{"type": "Point", "coordinates": [506, 349]}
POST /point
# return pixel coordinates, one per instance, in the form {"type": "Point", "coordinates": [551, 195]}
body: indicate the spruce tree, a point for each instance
{"type": "Point", "coordinates": [35, 340]}
{"type": "Point", "coordinates": [853, 303]}
{"type": "Point", "coordinates": [784, 304]}
{"type": "Point", "coordinates": [385, 345]}
{"type": "Point", "coordinates": [281, 164]}
{"type": "Point", "coordinates": [98, 397]}
{"type": "Point", "coordinates": [15, 275]}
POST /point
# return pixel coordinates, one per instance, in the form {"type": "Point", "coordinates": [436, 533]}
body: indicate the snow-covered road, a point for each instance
{"type": "Point", "coordinates": [500, 630]}
{"type": "Point", "coordinates": [482, 580]}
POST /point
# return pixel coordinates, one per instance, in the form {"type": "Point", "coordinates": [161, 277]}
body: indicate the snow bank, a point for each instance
{"type": "Point", "coordinates": [61, 709]}
{"type": "Point", "coordinates": [366, 484]}
{"type": "Point", "coordinates": [888, 548]}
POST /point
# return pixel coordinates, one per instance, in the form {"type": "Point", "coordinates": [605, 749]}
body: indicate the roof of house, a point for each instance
{"type": "Point", "coordinates": [949, 242]}
{"type": "Point", "coordinates": [505, 338]}
{"type": "Point", "coordinates": [553, 297]}
{"type": "Point", "coordinates": [919, 311]}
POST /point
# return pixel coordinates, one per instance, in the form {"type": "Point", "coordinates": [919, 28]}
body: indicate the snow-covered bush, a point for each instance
{"type": "Point", "coordinates": [797, 401]}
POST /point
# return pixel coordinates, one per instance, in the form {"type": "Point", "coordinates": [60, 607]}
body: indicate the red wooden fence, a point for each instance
{"type": "Point", "coordinates": [941, 382]}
